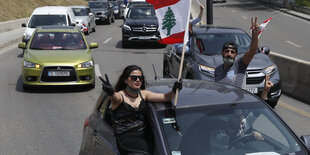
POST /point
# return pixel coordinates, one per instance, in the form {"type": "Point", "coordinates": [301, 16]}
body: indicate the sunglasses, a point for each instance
{"type": "Point", "coordinates": [135, 77]}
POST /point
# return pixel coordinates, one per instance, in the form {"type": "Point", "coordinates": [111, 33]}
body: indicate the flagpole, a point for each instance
{"type": "Point", "coordinates": [185, 40]}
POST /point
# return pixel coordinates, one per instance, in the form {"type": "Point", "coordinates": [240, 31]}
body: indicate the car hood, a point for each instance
{"type": "Point", "coordinates": [259, 60]}
{"type": "Point", "coordinates": [141, 22]}
{"type": "Point", "coordinates": [81, 18]}
{"type": "Point", "coordinates": [29, 31]}
{"type": "Point", "coordinates": [67, 56]}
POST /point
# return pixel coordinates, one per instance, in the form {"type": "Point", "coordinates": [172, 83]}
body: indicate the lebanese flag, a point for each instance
{"type": "Point", "coordinates": [173, 17]}
{"type": "Point", "coordinates": [263, 25]}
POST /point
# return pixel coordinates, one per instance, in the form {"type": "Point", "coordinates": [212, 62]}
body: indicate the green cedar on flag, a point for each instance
{"type": "Point", "coordinates": [173, 16]}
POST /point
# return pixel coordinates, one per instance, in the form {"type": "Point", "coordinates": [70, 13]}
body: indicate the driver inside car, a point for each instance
{"type": "Point", "coordinates": [234, 129]}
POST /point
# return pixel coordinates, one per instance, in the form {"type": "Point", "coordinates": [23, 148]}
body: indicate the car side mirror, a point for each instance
{"type": "Point", "coordinates": [179, 50]}
{"type": "Point", "coordinates": [265, 50]}
{"type": "Point", "coordinates": [24, 25]}
{"type": "Point", "coordinates": [22, 45]}
{"type": "Point", "coordinates": [306, 140]}
{"type": "Point", "coordinates": [93, 45]}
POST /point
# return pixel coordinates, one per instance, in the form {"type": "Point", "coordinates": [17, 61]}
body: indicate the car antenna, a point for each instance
{"type": "Point", "coordinates": [155, 72]}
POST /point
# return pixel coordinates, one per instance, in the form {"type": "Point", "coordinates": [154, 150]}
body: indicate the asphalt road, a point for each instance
{"type": "Point", "coordinates": [50, 120]}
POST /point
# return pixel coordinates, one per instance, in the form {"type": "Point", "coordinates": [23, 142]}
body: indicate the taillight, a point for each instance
{"type": "Point", "coordinates": [86, 123]}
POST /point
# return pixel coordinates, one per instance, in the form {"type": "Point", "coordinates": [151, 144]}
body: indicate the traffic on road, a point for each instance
{"type": "Point", "coordinates": [46, 108]}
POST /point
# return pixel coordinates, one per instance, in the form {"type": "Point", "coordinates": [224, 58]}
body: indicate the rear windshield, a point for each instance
{"type": "Point", "coordinates": [42, 20]}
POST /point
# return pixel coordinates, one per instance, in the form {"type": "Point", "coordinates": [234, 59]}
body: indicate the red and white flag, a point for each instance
{"type": "Point", "coordinates": [262, 26]}
{"type": "Point", "coordinates": [173, 17]}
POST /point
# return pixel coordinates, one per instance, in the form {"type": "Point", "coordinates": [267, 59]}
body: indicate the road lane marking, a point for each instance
{"type": "Point", "coordinates": [244, 17]}
{"type": "Point", "coordinates": [233, 11]}
{"type": "Point", "coordinates": [106, 41]}
{"type": "Point", "coordinates": [301, 112]}
{"type": "Point", "coordinates": [292, 43]}
{"type": "Point", "coordinates": [97, 70]}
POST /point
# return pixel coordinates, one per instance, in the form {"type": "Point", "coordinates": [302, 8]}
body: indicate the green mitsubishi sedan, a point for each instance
{"type": "Point", "coordinates": [58, 55]}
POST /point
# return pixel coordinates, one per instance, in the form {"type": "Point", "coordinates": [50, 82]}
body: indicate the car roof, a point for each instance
{"type": "Point", "coordinates": [51, 10]}
{"type": "Point", "coordinates": [199, 29]}
{"type": "Point", "coordinates": [201, 92]}
{"type": "Point", "coordinates": [79, 6]}
{"type": "Point", "coordinates": [56, 28]}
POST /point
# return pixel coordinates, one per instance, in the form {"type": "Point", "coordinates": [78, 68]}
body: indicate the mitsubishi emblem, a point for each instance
{"type": "Point", "coordinates": [58, 68]}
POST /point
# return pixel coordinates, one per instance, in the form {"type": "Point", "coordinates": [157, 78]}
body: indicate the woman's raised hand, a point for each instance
{"type": "Point", "coordinates": [106, 85]}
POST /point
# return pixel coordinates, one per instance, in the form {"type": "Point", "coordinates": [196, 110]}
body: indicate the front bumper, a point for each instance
{"type": "Point", "coordinates": [41, 76]}
{"type": "Point", "coordinates": [140, 35]}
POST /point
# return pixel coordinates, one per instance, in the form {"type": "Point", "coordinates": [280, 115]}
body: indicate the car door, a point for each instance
{"type": "Point", "coordinates": [103, 140]}
{"type": "Point", "coordinates": [91, 19]}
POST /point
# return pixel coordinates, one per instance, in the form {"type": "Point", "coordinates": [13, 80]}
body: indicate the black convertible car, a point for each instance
{"type": "Point", "coordinates": [203, 111]}
{"type": "Point", "coordinates": [204, 55]}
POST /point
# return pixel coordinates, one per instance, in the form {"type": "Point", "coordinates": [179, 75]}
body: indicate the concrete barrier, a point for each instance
{"type": "Point", "coordinates": [295, 76]}
{"type": "Point", "coordinates": [12, 25]}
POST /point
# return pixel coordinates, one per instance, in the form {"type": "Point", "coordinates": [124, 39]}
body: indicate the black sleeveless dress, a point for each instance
{"type": "Point", "coordinates": [130, 129]}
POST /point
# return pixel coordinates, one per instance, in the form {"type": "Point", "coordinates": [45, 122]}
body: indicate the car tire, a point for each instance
{"type": "Point", "coordinates": [166, 71]}
{"type": "Point", "coordinates": [94, 29]}
{"type": "Point", "coordinates": [92, 86]}
{"type": "Point", "coordinates": [272, 104]}
{"type": "Point", "coordinates": [26, 87]}
{"type": "Point", "coordinates": [124, 43]}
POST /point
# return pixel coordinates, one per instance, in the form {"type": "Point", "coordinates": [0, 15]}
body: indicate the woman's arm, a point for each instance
{"type": "Point", "coordinates": [160, 97]}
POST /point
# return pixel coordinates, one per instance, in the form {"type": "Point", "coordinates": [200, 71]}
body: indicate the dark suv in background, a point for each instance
{"type": "Point", "coordinates": [140, 25]}
{"type": "Point", "coordinates": [204, 55]}
{"type": "Point", "coordinates": [102, 10]}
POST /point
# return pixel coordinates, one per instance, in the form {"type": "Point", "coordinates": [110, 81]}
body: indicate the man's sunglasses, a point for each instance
{"type": "Point", "coordinates": [135, 77]}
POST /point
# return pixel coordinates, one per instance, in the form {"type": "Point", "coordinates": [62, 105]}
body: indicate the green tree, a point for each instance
{"type": "Point", "coordinates": [168, 21]}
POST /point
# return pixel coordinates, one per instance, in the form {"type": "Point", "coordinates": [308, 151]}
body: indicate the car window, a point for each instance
{"type": "Point", "coordinates": [213, 130]}
{"type": "Point", "coordinates": [41, 20]}
{"type": "Point", "coordinates": [211, 44]}
{"type": "Point", "coordinates": [80, 11]}
{"type": "Point", "coordinates": [57, 41]}
{"type": "Point", "coordinates": [139, 13]}
{"type": "Point", "coordinates": [105, 111]}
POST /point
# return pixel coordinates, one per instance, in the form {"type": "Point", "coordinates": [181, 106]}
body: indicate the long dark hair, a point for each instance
{"type": "Point", "coordinates": [120, 85]}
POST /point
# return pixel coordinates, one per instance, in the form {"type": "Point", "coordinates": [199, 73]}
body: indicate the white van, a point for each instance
{"type": "Point", "coordinates": [48, 15]}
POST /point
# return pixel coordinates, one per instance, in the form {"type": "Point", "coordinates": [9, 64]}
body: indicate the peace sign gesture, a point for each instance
{"type": "Point", "coordinates": [106, 85]}
{"type": "Point", "coordinates": [254, 27]}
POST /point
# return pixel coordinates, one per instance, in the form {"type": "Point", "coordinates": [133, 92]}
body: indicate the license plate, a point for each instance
{"type": "Point", "coordinates": [252, 90]}
{"type": "Point", "coordinates": [96, 18]}
{"type": "Point", "coordinates": [144, 37]}
{"type": "Point", "coordinates": [58, 73]}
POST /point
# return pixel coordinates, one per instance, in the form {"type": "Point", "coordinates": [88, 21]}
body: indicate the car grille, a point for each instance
{"type": "Point", "coordinates": [98, 13]}
{"type": "Point", "coordinates": [144, 31]}
{"type": "Point", "coordinates": [255, 76]}
{"type": "Point", "coordinates": [46, 78]}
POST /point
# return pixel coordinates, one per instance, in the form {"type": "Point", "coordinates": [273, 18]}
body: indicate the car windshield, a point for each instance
{"type": "Point", "coordinates": [141, 13]}
{"type": "Point", "coordinates": [98, 4]}
{"type": "Point", "coordinates": [80, 11]}
{"type": "Point", "coordinates": [226, 129]}
{"type": "Point", "coordinates": [113, 3]}
{"type": "Point", "coordinates": [57, 41]}
{"type": "Point", "coordinates": [211, 44]}
{"type": "Point", "coordinates": [42, 20]}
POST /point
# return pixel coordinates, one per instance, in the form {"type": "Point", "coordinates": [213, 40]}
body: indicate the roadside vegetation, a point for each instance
{"type": "Point", "coordinates": [17, 9]}
{"type": "Point", "coordinates": [303, 3]}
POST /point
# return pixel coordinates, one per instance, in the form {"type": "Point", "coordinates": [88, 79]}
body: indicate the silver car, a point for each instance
{"type": "Point", "coordinates": [84, 19]}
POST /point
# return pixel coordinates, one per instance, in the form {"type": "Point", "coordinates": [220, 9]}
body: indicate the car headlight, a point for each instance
{"type": "Point", "coordinates": [31, 64]}
{"type": "Point", "coordinates": [126, 27]}
{"type": "Point", "coordinates": [86, 64]}
{"type": "Point", "coordinates": [270, 69]}
{"type": "Point", "coordinates": [26, 36]}
{"type": "Point", "coordinates": [116, 11]}
{"type": "Point", "coordinates": [206, 69]}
